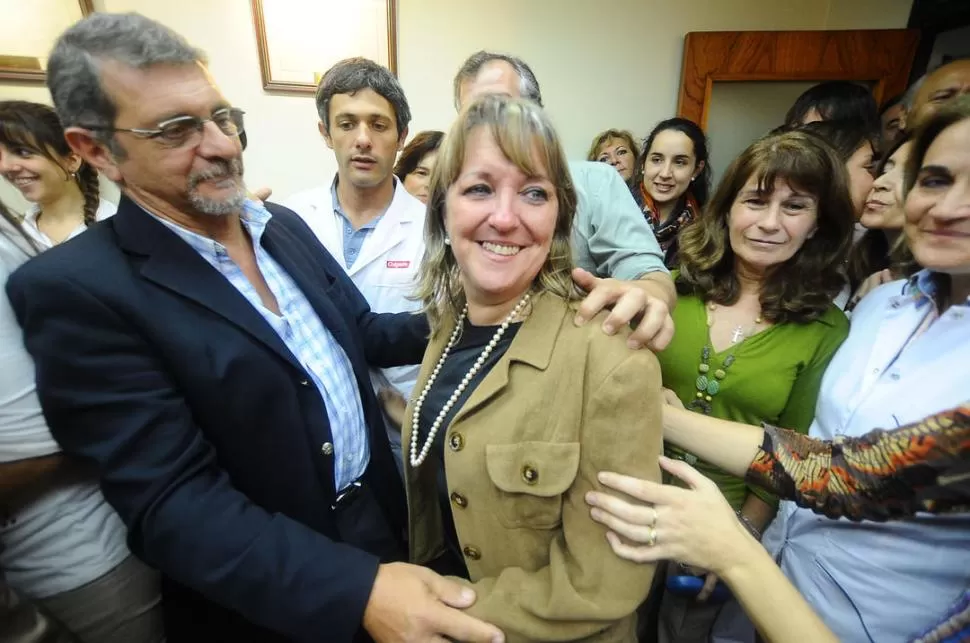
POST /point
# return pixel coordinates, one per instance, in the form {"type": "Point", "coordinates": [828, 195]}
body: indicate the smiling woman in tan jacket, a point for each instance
{"type": "Point", "coordinates": [516, 408]}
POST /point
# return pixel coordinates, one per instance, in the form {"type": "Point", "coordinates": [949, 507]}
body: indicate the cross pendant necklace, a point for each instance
{"type": "Point", "coordinates": [737, 335]}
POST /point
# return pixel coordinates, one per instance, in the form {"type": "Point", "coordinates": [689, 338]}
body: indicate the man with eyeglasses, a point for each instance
{"type": "Point", "coordinates": [210, 358]}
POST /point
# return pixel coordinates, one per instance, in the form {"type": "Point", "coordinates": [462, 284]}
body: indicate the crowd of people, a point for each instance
{"type": "Point", "coordinates": [467, 389]}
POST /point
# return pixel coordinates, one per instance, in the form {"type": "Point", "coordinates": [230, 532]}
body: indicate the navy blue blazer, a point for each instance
{"type": "Point", "coordinates": [207, 432]}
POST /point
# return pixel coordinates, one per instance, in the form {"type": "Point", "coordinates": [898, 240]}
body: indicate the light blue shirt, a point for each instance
{"type": "Point", "coordinates": [305, 336]}
{"type": "Point", "coordinates": [610, 236]}
{"type": "Point", "coordinates": [353, 239]}
{"type": "Point", "coordinates": [884, 582]}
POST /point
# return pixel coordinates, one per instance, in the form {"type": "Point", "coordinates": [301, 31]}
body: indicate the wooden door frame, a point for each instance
{"type": "Point", "coordinates": [883, 57]}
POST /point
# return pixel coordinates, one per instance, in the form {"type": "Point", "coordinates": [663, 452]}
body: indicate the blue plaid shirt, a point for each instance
{"type": "Point", "coordinates": [304, 334]}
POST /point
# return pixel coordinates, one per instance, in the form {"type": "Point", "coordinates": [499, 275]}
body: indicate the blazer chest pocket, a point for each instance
{"type": "Point", "coordinates": [530, 479]}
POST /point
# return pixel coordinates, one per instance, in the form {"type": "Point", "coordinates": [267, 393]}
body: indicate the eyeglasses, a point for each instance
{"type": "Point", "coordinates": [186, 130]}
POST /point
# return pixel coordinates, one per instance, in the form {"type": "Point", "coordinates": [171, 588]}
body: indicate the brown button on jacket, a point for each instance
{"type": "Point", "coordinates": [562, 404]}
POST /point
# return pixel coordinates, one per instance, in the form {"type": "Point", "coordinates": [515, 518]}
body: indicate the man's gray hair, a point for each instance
{"type": "Point", "coordinates": [910, 96]}
{"type": "Point", "coordinates": [528, 85]}
{"type": "Point", "coordinates": [73, 70]}
{"type": "Point", "coordinates": [352, 75]}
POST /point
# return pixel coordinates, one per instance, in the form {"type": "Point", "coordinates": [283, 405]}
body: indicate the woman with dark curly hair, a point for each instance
{"type": "Point", "coordinates": [416, 163]}
{"type": "Point", "coordinates": [881, 255]}
{"type": "Point", "coordinates": [755, 322]}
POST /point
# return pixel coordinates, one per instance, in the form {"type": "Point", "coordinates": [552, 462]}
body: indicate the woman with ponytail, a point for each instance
{"type": "Point", "coordinates": [62, 547]}
{"type": "Point", "coordinates": [35, 158]}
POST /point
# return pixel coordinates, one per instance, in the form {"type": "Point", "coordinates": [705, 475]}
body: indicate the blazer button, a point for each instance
{"type": "Point", "coordinates": [327, 448]}
{"type": "Point", "coordinates": [472, 553]}
{"type": "Point", "coordinates": [530, 474]}
{"type": "Point", "coordinates": [456, 442]}
{"type": "Point", "coordinates": [459, 500]}
{"type": "Point", "coordinates": [304, 382]}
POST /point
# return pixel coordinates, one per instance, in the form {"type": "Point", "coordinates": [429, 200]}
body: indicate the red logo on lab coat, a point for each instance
{"type": "Point", "coordinates": [398, 264]}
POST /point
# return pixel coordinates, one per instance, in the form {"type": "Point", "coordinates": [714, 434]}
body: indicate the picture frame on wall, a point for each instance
{"type": "Point", "coordinates": [28, 31]}
{"type": "Point", "coordinates": [298, 40]}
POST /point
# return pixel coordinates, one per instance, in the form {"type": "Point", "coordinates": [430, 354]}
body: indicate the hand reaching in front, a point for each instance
{"type": "Point", "coordinates": [412, 604]}
{"type": "Point", "coordinates": [695, 525]}
{"type": "Point", "coordinates": [394, 406]}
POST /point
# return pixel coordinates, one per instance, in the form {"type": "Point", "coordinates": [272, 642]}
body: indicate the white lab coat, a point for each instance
{"type": "Point", "coordinates": [386, 270]}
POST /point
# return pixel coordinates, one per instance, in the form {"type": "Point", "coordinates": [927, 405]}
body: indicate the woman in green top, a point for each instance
{"type": "Point", "coordinates": [755, 323]}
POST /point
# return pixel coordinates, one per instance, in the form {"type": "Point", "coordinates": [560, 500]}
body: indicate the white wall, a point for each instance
{"type": "Point", "coordinates": [601, 63]}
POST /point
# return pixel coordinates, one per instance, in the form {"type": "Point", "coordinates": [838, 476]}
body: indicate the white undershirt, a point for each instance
{"type": "Point", "coordinates": [69, 536]}
{"type": "Point", "coordinates": [105, 210]}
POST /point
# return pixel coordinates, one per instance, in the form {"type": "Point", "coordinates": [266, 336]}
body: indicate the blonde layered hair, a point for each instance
{"type": "Point", "coordinates": [526, 137]}
{"type": "Point", "coordinates": [621, 135]}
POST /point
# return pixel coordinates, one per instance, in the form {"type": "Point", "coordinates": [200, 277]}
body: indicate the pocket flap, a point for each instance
{"type": "Point", "coordinates": [543, 469]}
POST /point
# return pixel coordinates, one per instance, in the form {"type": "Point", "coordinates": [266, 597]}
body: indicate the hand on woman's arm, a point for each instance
{"type": "Point", "coordinates": [646, 303]}
{"type": "Point", "coordinates": [698, 527]}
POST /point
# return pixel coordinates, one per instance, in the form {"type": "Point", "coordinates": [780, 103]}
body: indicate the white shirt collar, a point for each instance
{"type": "Point", "coordinates": [105, 210]}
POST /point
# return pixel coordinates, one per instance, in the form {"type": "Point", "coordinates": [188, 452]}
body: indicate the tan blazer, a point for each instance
{"type": "Point", "coordinates": [562, 404]}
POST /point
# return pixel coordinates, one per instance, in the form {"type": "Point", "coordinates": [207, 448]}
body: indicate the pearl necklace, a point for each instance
{"type": "Point", "coordinates": [416, 458]}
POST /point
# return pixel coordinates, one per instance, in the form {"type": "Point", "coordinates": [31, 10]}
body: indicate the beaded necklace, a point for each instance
{"type": "Point", "coordinates": [708, 384]}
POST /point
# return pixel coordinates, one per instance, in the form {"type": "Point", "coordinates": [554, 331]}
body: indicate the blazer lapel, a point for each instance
{"type": "Point", "coordinates": [533, 345]}
{"type": "Point", "coordinates": [174, 265]}
{"type": "Point", "coordinates": [291, 254]}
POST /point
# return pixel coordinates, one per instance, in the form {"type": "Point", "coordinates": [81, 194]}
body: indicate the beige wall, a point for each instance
{"type": "Point", "coordinates": [601, 63]}
{"type": "Point", "coordinates": [23, 34]}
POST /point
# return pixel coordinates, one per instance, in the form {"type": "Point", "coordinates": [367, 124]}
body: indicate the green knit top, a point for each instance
{"type": "Point", "coordinates": [775, 378]}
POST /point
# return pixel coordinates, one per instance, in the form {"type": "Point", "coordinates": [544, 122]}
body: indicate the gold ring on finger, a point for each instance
{"type": "Point", "coordinates": [652, 537]}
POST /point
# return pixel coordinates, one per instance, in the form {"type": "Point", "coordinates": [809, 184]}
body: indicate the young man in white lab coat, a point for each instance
{"type": "Point", "coordinates": [364, 216]}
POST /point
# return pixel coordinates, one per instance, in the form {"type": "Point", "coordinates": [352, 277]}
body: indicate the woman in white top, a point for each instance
{"type": "Point", "coordinates": [34, 157]}
{"type": "Point", "coordinates": [61, 544]}
{"type": "Point", "coordinates": [905, 358]}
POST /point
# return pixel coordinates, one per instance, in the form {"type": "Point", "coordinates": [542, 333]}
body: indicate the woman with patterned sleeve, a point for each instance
{"type": "Point", "coordinates": [920, 467]}
{"type": "Point", "coordinates": [882, 475]}
{"type": "Point", "coordinates": [879, 476]}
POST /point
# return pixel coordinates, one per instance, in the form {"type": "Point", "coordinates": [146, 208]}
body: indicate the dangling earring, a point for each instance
{"type": "Point", "coordinates": [74, 172]}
